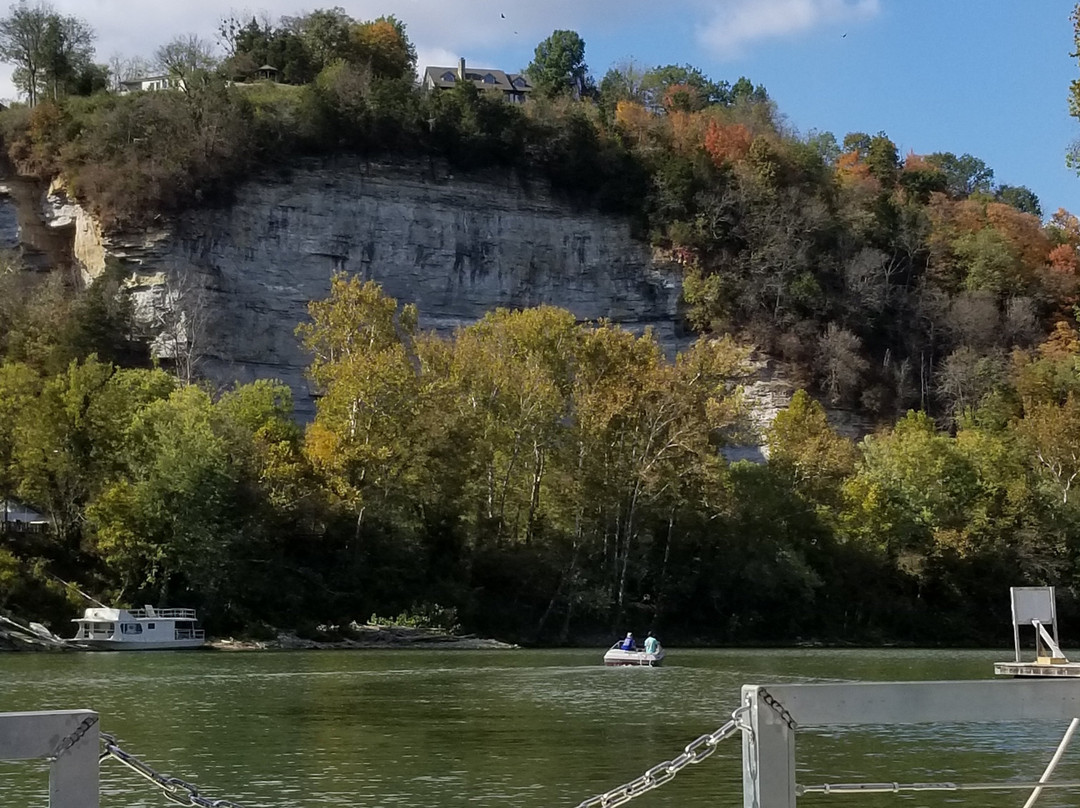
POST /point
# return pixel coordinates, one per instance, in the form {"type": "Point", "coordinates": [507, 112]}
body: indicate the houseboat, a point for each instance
{"type": "Point", "coordinates": [146, 629]}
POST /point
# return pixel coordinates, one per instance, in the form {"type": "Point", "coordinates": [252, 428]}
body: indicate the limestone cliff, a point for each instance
{"type": "Point", "coordinates": [229, 285]}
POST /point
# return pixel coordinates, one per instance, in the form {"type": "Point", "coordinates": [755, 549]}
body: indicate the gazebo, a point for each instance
{"type": "Point", "coordinates": [268, 73]}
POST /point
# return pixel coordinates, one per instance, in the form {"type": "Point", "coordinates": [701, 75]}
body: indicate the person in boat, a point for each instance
{"type": "Point", "coordinates": [628, 644]}
{"type": "Point", "coordinates": [652, 645]}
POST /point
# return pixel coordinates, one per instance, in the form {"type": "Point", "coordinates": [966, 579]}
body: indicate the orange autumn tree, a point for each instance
{"type": "Point", "coordinates": [727, 143]}
{"type": "Point", "coordinates": [635, 120]}
{"type": "Point", "coordinates": [686, 129]}
{"type": "Point", "coordinates": [852, 169]}
{"type": "Point", "coordinates": [383, 46]}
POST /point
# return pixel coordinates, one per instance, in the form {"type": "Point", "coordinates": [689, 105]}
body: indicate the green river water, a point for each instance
{"type": "Point", "coordinates": [519, 728]}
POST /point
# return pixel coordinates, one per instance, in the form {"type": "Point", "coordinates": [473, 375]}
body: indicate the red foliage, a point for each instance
{"type": "Point", "coordinates": [728, 143]}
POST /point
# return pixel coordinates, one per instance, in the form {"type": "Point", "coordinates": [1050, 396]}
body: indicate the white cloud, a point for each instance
{"type": "Point", "coordinates": [740, 22]}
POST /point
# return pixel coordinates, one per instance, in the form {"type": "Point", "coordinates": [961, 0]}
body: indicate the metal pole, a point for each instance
{"type": "Point", "coordinates": [69, 739]}
{"type": "Point", "coordinates": [768, 755]}
{"type": "Point", "coordinates": [1053, 761]}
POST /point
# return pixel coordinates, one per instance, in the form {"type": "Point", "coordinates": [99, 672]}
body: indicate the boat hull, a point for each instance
{"type": "Point", "coordinates": [617, 658]}
{"type": "Point", "coordinates": [128, 645]}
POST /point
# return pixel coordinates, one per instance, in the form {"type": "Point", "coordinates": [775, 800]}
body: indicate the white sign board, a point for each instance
{"type": "Point", "coordinates": [1032, 603]}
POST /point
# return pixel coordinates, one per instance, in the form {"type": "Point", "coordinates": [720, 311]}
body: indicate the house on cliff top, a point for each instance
{"type": "Point", "coordinates": [149, 83]}
{"type": "Point", "coordinates": [514, 87]}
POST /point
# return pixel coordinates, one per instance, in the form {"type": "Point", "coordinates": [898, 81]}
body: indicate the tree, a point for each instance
{"type": "Point", "coordinates": [325, 34]}
{"type": "Point", "coordinates": [1052, 432]}
{"type": "Point", "coordinates": [804, 447]}
{"type": "Point", "coordinates": [382, 45]}
{"type": "Point", "coordinates": [67, 51]}
{"type": "Point", "coordinates": [48, 50]}
{"type": "Point", "coordinates": [964, 175]}
{"type": "Point", "coordinates": [624, 82]}
{"type": "Point", "coordinates": [1020, 197]}
{"type": "Point", "coordinates": [558, 66]}
{"type": "Point", "coordinates": [840, 362]}
{"type": "Point", "coordinates": [123, 68]}
{"type": "Point", "coordinates": [184, 56]}
{"type": "Point", "coordinates": [655, 84]}
{"type": "Point", "coordinates": [1072, 156]}
{"type": "Point", "coordinates": [366, 438]}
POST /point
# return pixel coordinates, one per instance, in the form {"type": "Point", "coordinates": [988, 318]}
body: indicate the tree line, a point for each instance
{"type": "Point", "coordinates": [529, 477]}
{"type": "Point", "coordinates": [544, 478]}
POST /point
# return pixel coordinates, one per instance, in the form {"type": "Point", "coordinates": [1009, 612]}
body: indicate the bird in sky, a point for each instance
{"type": "Point", "coordinates": [502, 15]}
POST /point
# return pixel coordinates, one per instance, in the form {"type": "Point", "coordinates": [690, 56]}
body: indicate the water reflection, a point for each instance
{"type": "Point", "coordinates": [522, 728]}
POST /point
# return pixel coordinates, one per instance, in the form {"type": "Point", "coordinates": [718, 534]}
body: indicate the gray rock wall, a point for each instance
{"type": "Point", "coordinates": [455, 246]}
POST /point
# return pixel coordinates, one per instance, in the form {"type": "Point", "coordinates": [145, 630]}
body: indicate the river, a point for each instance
{"type": "Point", "coordinates": [522, 728]}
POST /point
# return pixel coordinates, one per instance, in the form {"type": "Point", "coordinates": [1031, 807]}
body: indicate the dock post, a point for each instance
{"type": "Point", "coordinates": [69, 739]}
{"type": "Point", "coordinates": [768, 753]}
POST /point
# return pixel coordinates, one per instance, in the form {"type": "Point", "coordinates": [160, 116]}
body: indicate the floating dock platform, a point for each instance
{"type": "Point", "coordinates": [1037, 669]}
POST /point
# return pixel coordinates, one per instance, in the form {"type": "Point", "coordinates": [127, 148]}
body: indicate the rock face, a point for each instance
{"type": "Point", "coordinates": [230, 285]}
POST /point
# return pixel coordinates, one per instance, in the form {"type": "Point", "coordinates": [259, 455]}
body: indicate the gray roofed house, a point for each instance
{"type": "Point", "coordinates": [515, 87]}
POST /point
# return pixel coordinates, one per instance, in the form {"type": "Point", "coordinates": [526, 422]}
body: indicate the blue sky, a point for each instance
{"type": "Point", "coordinates": [988, 78]}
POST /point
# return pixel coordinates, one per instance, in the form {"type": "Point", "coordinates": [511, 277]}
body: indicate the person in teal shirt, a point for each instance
{"type": "Point", "coordinates": [652, 645]}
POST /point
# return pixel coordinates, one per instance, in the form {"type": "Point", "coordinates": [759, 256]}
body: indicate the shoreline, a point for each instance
{"type": "Point", "coordinates": [15, 638]}
{"type": "Point", "coordinates": [366, 638]}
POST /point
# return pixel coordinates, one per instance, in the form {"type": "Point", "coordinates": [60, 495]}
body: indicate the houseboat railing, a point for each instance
{"type": "Point", "coordinates": [164, 614]}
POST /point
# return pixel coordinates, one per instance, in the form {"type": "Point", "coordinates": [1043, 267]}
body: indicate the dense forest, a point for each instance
{"type": "Point", "coordinates": [532, 477]}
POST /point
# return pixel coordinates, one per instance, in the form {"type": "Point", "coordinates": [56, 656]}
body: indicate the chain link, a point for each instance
{"type": "Point", "coordinates": [779, 709]}
{"type": "Point", "coordinates": [173, 789]}
{"type": "Point", "coordinates": [74, 737]}
{"type": "Point", "coordinates": [694, 752]}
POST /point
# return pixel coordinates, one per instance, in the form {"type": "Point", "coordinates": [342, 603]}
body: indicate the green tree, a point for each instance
{"type": "Point", "coordinates": [167, 522]}
{"type": "Point", "coordinates": [656, 82]}
{"type": "Point", "coordinates": [325, 34]}
{"type": "Point", "coordinates": [68, 49]}
{"type": "Point", "coordinates": [1072, 156]}
{"type": "Point", "coordinates": [1020, 197]}
{"type": "Point", "coordinates": [964, 175]}
{"type": "Point", "coordinates": [367, 438]}
{"type": "Point", "coordinates": [804, 447]}
{"type": "Point", "coordinates": [49, 51]}
{"type": "Point", "coordinates": [558, 66]}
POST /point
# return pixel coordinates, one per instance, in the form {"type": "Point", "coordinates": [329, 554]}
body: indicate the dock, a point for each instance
{"type": "Point", "coordinates": [1037, 669]}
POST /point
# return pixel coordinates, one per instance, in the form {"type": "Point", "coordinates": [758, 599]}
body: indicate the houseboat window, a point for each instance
{"type": "Point", "coordinates": [149, 626]}
{"type": "Point", "coordinates": [130, 628]}
{"type": "Point", "coordinates": [103, 627]}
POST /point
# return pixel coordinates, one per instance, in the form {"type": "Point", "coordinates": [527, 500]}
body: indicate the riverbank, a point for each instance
{"type": "Point", "coordinates": [366, 637]}
{"type": "Point", "coordinates": [16, 637]}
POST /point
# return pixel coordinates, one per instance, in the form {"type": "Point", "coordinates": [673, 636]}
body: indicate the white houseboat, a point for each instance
{"type": "Point", "coordinates": [146, 629]}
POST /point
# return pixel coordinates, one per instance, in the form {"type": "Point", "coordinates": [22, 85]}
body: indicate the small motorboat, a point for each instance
{"type": "Point", "coordinates": [616, 656]}
{"type": "Point", "coordinates": [146, 629]}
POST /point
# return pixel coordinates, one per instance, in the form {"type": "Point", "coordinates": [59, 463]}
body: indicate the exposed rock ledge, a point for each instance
{"type": "Point", "coordinates": [238, 279]}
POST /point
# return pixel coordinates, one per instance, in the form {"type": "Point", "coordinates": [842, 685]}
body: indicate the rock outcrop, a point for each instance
{"type": "Point", "coordinates": [228, 286]}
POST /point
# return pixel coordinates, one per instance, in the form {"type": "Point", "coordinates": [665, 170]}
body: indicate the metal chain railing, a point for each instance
{"type": "Point", "coordinates": [74, 737]}
{"type": "Point", "coordinates": [694, 752]}
{"type": "Point", "coordinates": [778, 708]}
{"type": "Point", "coordinates": [173, 789]}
